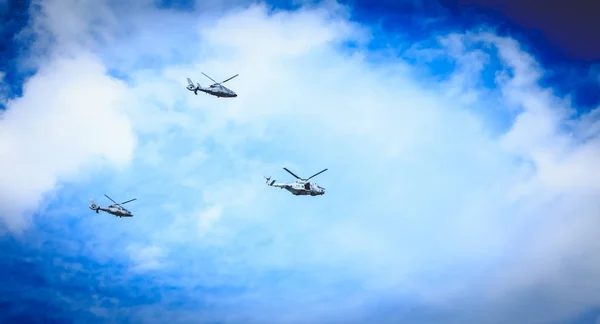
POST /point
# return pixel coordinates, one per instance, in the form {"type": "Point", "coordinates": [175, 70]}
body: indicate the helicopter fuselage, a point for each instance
{"type": "Point", "coordinates": [300, 188]}
{"type": "Point", "coordinates": [218, 91]}
{"type": "Point", "coordinates": [112, 209]}
{"type": "Point", "coordinates": [118, 211]}
{"type": "Point", "coordinates": [215, 89]}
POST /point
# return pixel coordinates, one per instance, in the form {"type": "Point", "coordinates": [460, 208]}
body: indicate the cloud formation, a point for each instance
{"type": "Point", "coordinates": [68, 122]}
{"type": "Point", "coordinates": [444, 192]}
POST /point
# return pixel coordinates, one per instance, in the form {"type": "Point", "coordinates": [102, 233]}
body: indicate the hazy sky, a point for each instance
{"type": "Point", "coordinates": [462, 183]}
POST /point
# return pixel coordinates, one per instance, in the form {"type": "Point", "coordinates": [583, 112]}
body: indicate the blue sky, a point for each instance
{"type": "Point", "coordinates": [462, 155]}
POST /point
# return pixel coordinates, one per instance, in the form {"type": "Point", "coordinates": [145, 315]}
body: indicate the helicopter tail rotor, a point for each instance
{"type": "Point", "coordinates": [191, 85]}
{"type": "Point", "coordinates": [93, 206]}
{"type": "Point", "coordinates": [269, 179]}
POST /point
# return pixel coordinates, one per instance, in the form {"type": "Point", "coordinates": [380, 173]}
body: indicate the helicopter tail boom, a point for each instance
{"type": "Point", "coordinates": [273, 183]}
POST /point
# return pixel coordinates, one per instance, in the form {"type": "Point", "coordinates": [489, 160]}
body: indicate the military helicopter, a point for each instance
{"type": "Point", "coordinates": [115, 209]}
{"type": "Point", "coordinates": [302, 187]}
{"type": "Point", "coordinates": [215, 89]}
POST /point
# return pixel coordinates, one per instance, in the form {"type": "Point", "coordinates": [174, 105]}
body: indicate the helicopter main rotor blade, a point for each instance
{"type": "Point", "coordinates": [123, 203]}
{"type": "Point", "coordinates": [316, 174]}
{"type": "Point", "coordinates": [229, 78]}
{"type": "Point", "coordinates": [110, 199]}
{"type": "Point", "coordinates": [292, 173]}
{"type": "Point", "coordinates": [209, 77]}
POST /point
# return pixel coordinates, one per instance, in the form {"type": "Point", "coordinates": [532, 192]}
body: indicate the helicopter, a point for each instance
{"type": "Point", "coordinates": [302, 187]}
{"type": "Point", "coordinates": [215, 89]}
{"type": "Point", "coordinates": [115, 209]}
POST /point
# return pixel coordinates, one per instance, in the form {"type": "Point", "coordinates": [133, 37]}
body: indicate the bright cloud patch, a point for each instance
{"type": "Point", "coordinates": [208, 217]}
{"type": "Point", "coordinates": [68, 120]}
{"type": "Point", "coordinates": [146, 258]}
{"type": "Point", "coordinates": [441, 195]}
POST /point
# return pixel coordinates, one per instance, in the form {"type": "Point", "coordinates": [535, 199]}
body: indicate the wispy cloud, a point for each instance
{"type": "Point", "coordinates": [146, 257]}
{"type": "Point", "coordinates": [476, 186]}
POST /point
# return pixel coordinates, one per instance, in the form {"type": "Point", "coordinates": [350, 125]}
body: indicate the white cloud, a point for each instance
{"type": "Point", "coordinates": [426, 199]}
{"type": "Point", "coordinates": [68, 122]}
{"type": "Point", "coordinates": [208, 217]}
{"type": "Point", "coordinates": [146, 257]}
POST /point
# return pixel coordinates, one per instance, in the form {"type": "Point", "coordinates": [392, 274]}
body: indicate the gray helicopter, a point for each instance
{"type": "Point", "coordinates": [302, 187]}
{"type": "Point", "coordinates": [115, 209]}
{"type": "Point", "coordinates": [215, 89]}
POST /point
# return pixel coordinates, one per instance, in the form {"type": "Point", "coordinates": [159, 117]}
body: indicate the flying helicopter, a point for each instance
{"type": "Point", "coordinates": [215, 89]}
{"type": "Point", "coordinates": [302, 187]}
{"type": "Point", "coordinates": [115, 209]}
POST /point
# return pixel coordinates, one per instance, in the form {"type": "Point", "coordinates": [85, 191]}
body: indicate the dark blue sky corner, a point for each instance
{"type": "Point", "coordinates": [14, 45]}
{"type": "Point", "coordinates": [537, 35]}
{"type": "Point", "coordinates": [402, 22]}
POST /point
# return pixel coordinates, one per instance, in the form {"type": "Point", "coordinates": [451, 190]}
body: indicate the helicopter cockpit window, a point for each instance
{"type": "Point", "coordinates": [307, 186]}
